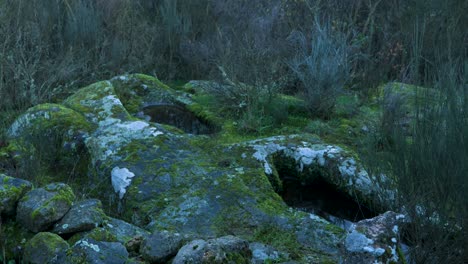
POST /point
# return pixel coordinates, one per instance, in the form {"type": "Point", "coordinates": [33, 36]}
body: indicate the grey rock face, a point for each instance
{"type": "Point", "coordinates": [11, 191]}
{"type": "Point", "coordinates": [115, 230]}
{"type": "Point", "coordinates": [43, 248]}
{"type": "Point", "coordinates": [83, 216]}
{"type": "Point", "coordinates": [96, 252]}
{"type": "Point", "coordinates": [374, 240]}
{"type": "Point", "coordinates": [123, 231]}
{"type": "Point", "coordinates": [262, 253]}
{"type": "Point", "coordinates": [41, 208]}
{"type": "Point", "coordinates": [220, 250]}
{"type": "Point", "coordinates": [161, 246]}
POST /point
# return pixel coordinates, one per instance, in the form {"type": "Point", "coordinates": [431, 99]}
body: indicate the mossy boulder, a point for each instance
{"type": "Point", "coordinates": [50, 137]}
{"type": "Point", "coordinates": [83, 216]}
{"type": "Point", "coordinates": [401, 103]}
{"type": "Point", "coordinates": [160, 177]}
{"type": "Point", "coordinates": [43, 248]}
{"type": "Point", "coordinates": [40, 208]}
{"type": "Point", "coordinates": [11, 191]}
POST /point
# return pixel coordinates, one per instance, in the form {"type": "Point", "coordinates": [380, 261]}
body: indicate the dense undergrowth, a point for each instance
{"type": "Point", "coordinates": [292, 67]}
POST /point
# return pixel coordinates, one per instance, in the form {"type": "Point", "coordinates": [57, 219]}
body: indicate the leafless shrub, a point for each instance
{"type": "Point", "coordinates": [323, 67]}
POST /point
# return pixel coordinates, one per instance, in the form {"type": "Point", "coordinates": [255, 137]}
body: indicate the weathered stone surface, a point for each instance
{"type": "Point", "coordinates": [374, 240]}
{"type": "Point", "coordinates": [113, 230]}
{"type": "Point", "coordinates": [44, 247]}
{"type": "Point", "coordinates": [160, 178]}
{"type": "Point", "coordinates": [124, 231]}
{"type": "Point", "coordinates": [161, 246]}
{"type": "Point", "coordinates": [11, 191]}
{"type": "Point", "coordinates": [83, 216]}
{"type": "Point", "coordinates": [40, 208]}
{"type": "Point", "coordinates": [262, 253]}
{"type": "Point", "coordinates": [53, 134]}
{"type": "Point", "coordinates": [96, 252]}
{"type": "Point", "coordinates": [228, 249]}
{"type": "Point", "coordinates": [338, 166]}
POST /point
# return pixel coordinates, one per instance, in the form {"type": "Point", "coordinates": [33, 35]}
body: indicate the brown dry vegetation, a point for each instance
{"type": "Point", "coordinates": [316, 49]}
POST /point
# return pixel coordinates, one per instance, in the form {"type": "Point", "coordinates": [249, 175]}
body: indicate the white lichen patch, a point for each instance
{"type": "Point", "coordinates": [318, 219]}
{"type": "Point", "coordinates": [190, 207]}
{"type": "Point", "coordinates": [123, 78]}
{"type": "Point", "coordinates": [309, 156]}
{"type": "Point", "coordinates": [25, 121]}
{"type": "Point", "coordinates": [103, 103]}
{"type": "Point", "coordinates": [377, 252]}
{"type": "Point", "coordinates": [108, 140]}
{"type": "Point", "coordinates": [263, 151]}
{"type": "Point", "coordinates": [108, 103]}
{"type": "Point", "coordinates": [121, 179]}
{"type": "Point", "coordinates": [358, 242]}
{"type": "Point", "coordinates": [133, 126]}
{"type": "Point", "coordinates": [19, 124]}
{"type": "Point", "coordinates": [348, 167]}
{"type": "Point", "coordinates": [85, 243]}
{"type": "Point", "coordinates": [400, 217]}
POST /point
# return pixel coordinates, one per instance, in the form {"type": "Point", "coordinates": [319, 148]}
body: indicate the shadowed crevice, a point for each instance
{"type": "Point", "coordinates": [179, 117]}
{"type": "Point", "coordinates": [313, 194]}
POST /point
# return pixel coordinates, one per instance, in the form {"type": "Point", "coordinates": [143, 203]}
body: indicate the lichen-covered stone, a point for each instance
{"type": "Point", "coordinates": [97, 252]}
{"type": "Point", "coordinates": [262, 253]}
{"type": "Point", "coordinates": [83, 216]}
{"type": "Point", "coordinates": [40, 208]}
{"type": "Point", "coordinates": [157, 177]}
{"type": "Point", "coordinates": [52, 134]}
{"type": "Point", "coordinates": [228, 249]}
{"type": "Point", "coordinates": [340, 167]}
{"type": "Point", "coordinates": [113, 230]}
{"type": "Point", "coordinates": [11, 191]}
{"type": "Point", "coordinates": [43, 248]}
{"type": "Point", "coordinates": [374, 240]}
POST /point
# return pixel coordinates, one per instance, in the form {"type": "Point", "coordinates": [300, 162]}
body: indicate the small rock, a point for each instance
{"type": "Point", "coordinates": [374, 240]}
{"type": "Point", "coordinates": [96, 252]}
{"type": "Point", "coordinates": [133, 245]}
{"type": "Point", "coordinates": [161, 246]}
{"type": "Point", "coordinates": [227, 249]}
{"type": "Point", "coordinates": [262, 253]}
{"type": "Point", "coordinates": [83, 216]}
{"type": "Point", "coordinates": [124, 231]}
{"type": "Point", "coordinates": [44, 247]}
{"type": "Point", "coordinates": [40, 208]}
{"type": "Point", "coordinates": [11, 191]}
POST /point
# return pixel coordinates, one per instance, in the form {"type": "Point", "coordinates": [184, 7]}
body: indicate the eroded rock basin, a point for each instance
{"type": "Point", "coordinates": [179, 117]}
